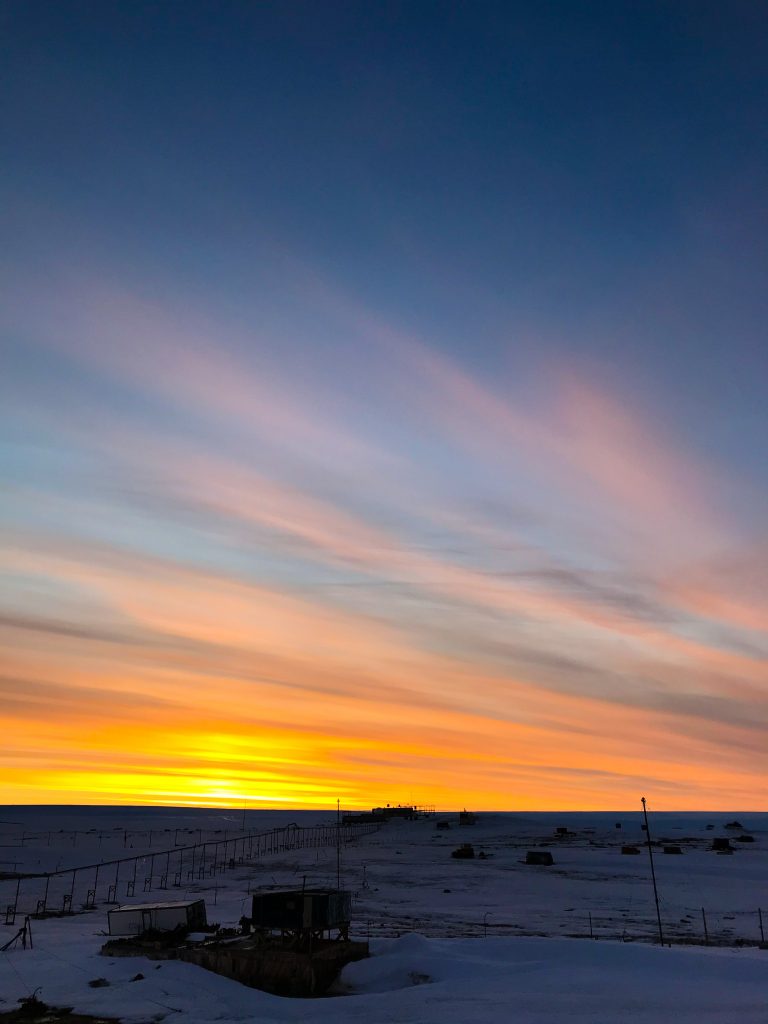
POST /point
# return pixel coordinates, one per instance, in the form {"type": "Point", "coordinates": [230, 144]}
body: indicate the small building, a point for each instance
{"type": "Point", "coordinates": [542, 857]}
{"type": "Point", "coordinates": [407, 812]}
{"type": "Point", "coordinates": [302, 910]}
{"type": "Point", "coordinates": [467, 817]}
{"type": "Point", "coordinates": [561, 830]}
{"type": "Point", "coordinates": [721, 844]}
{"type": "Point", "coordinates": [443, 826]}
{"type": "Point", "coordinates": [629, 851]}
{"type": "Point", "coordinates": [673, 849]}
{"type": "Point", "coordinates": [137, 918]}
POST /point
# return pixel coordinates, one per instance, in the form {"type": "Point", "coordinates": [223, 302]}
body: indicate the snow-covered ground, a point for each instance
{"type": "Point", "coordinates": [479, 960]}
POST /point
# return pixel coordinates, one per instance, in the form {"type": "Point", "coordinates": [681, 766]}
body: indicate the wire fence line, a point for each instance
{"type": "Point", "coordinates": [80, 888]}
{"type": "Point", "coordinates": [694, 927]}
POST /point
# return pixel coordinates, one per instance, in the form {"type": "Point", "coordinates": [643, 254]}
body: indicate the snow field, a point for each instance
{"type": "Point", "coordinates": [399, 876]}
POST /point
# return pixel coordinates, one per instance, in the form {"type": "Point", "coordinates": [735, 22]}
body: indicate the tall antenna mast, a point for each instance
{"type": "Point", "coordinates": [338, 844]}
{"type": "Point", "coordinates": [653, 873]}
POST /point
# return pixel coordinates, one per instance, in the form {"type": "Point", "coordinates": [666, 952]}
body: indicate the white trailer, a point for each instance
{"type": "Point", "coordinates": [136, 918]}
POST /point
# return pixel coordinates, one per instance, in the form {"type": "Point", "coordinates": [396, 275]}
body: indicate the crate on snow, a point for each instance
{"type": "Point", "coordinates": [721, 844]}
{"type": "Point", "coordinates": [137, 918]}
{"type": "Point", "coordinates": [464, 852]}
{"type": "Point", "coordinates": [542, 857]}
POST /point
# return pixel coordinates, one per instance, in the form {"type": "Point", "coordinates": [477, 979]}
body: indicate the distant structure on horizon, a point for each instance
{"type": "Point", "coordinates": [407, 812]}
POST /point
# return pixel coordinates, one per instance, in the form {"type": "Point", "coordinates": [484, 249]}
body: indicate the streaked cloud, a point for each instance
{"type": "Point", "coordinates": [295, 593]}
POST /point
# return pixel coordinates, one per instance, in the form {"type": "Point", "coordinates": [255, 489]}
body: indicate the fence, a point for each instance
{"type": "Point", "coordinates": [696, 927]}
{"type": "Point", "coordinates": [80, 888]}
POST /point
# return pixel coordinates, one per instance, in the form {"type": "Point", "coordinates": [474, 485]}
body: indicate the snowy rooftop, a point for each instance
{"type": "Point", "coordinates": [155, 906]}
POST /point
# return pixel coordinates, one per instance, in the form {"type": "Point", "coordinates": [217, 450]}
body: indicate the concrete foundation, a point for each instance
{"type": "Point", "coordinates": [275, 968]}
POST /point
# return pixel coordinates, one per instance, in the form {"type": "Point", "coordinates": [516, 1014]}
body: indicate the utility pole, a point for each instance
{"type": "Point", "coordinates": [653, 873]}
{"type": "Point", "coordinates": [338, 844]}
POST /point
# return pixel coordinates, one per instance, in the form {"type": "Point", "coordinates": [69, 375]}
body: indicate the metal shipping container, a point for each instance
{"type": "Point", "coordinates": [295, 910]}
{"type": "Point", "coordinates": [134, 919]}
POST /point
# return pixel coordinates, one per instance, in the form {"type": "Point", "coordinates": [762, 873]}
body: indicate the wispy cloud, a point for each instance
{"type": "Point", "coordinates": [421, 579]}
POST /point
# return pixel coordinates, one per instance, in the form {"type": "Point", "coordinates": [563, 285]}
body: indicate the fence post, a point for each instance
{"type": "Point", "coordinates": [704, 921]}
{"type": "Point", "coordinates": [760, 919]}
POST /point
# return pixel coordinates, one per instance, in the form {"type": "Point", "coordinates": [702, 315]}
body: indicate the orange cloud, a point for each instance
{"type": "Point", "coordinates": [397, 665]}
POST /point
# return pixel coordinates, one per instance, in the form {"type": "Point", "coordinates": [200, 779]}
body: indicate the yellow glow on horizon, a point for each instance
{"type": "Point", "coordinates": [194, 767]}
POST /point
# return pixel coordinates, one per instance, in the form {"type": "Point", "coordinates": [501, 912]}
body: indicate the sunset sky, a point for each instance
{"type": "Point", "coordinates": [384, 403]}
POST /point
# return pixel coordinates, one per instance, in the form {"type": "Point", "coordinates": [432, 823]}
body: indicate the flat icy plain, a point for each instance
{"type": "Point", "coordinates": [453, 940]}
